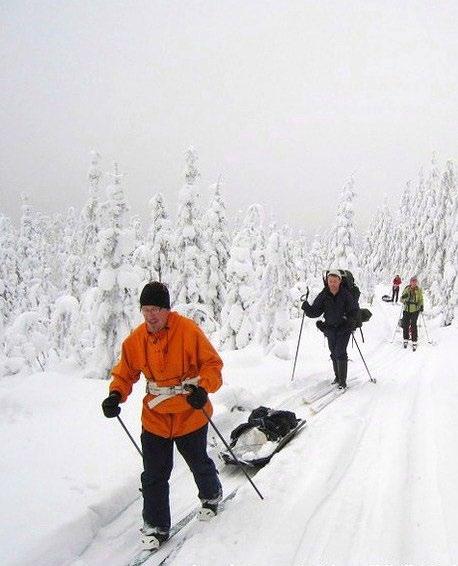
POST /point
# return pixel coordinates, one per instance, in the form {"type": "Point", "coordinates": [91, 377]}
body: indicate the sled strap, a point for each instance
{"type": "Point", "coordinates": [163, 393]}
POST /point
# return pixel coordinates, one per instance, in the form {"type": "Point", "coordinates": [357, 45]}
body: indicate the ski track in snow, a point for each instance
{"type": "Point", "coordinates": [377, 499]}
{"type": "Point", "coordinates": [359, 522]}
{"type": "Point", "coordinates": [361, 486]}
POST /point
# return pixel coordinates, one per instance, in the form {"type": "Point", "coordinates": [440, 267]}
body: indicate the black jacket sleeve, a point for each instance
{"type": "Point", "coordinates": [316, 308]}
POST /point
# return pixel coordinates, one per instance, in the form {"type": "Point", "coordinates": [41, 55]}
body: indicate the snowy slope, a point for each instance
{"type": "Point", "coordinates": [371, 480]}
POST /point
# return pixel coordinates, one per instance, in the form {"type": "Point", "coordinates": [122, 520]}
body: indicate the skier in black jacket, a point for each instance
{"type": "Point", "coordinates": [340, 309]}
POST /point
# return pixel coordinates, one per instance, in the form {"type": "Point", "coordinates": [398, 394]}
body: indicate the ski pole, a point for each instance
{"type": "Point", "coordinates": [231, 452]}
{"type": "Point", "coordinates": [130, 436]}
{"type": "Point", "coordinates": [364, 361]}
{"type": "Point", "coordinates": [303, 298]}
{"type": "Point", "coordinates": [426, 330]}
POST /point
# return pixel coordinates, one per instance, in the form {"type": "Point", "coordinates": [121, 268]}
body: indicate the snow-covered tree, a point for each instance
{"type": "Point", "coordinates": [375, 252]}
{"type": "Point", "coordinates": [315, 258]}
{"type": "Point", "coordinates": [116, 305]}
{"type": "Point", "coordinates": [274, 301]}
{"type": "Point", "coordinates": [449, 283]}
{"type": "Point", "coordinates": [342, 245]}
{"type": "Point", "coordinates": [237, 316]}
{"type": "Point", "coordinates": [63, 320]}
{"type": "Point", "coordinates": [423, 246]}
{"type": "Point", "coordinates": [154, 257]}
{"type": "Point", "coordinates": [216, 253]}
{"type": "Point", "coordinates": [26, 344]}
{"type": "Point", "coordinates": [8, 270]}
{"type": "Point", "coordinates": [401, 245]}
{"type": "Point", "coordinates": [29, 255]}
{"type": "Point", "coordinates": [92, 222]}
{"type": "Point", "coordinates": [253, 227]}
{"type": "Point", "coordinates": [188, 241]}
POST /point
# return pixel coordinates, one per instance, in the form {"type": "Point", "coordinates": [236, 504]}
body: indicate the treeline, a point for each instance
{"type": "Point", "coordinates": [69, 283]}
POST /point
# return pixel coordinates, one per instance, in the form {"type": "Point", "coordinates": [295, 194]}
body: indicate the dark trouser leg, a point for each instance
{"type": "Point", "coordinates": [395, 294]}
{"type": "Point", "coordinates": [413, 325]}
{"type": "Point", "coordinates": [331, 335]}
{"type": "Point", "coordinates": [342, 369]}
{"type": "Point", "coordinates": [342, 339]}
{"type": "Point", "coordinates": [157, 464]}
{"type": "Point", "coordinates": [336, 371]}
{"type": "Point", "coordinates": [405, 325]}
{"type": "Point", "coordinates": [193, 448]}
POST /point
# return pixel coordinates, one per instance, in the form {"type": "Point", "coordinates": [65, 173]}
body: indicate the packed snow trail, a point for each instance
{"type": "Point", "coordinates": [361, 488]}
{"type": "Point", "coordinates": [372, 480]}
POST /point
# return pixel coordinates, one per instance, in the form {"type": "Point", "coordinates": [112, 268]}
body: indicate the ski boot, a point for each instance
{"type": "Point", "coordinates": [414, 346]}
{"type": "Point", "coordinates": [405, 343]}
{"type": "Point", "coordinates": [207, 511]}
{"type": "Point", "coordinates": [152, 537]}
{"type": "Point", "coordinates": [342, 373]}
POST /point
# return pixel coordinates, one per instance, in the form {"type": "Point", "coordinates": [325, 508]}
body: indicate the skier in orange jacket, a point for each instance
{"type": "Point", "coordinates": [181, 367]}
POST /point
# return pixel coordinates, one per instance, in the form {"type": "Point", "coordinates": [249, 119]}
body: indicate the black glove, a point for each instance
{"type": "Point", "coordinates": [321, 325]}
{"type": "Point", "coordinates": [306, 296]}
{"type": "Point", "coordinates": [198, 396]}
{"type": "Point", "coordinates": [303, 304]}
{"type": "Point", "coordinates": [352, 324]}
{"type": "Point", "coordinates": [421, 308]}
{"type": "Point", "coordinates": [110, 405]}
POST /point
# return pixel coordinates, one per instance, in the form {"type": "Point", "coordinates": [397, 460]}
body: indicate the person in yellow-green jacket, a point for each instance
{"type": "Point", "coordinates": [412, 298]}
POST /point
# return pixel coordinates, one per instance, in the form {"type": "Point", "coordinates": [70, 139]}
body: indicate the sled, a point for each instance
{"type": "Point", "coordinates": [254, 450]}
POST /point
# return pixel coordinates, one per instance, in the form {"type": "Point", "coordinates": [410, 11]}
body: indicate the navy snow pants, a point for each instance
{"type": "Point", "coordinates": [158, 464]}
{"type": "Point", "coordinates": [338, 342]}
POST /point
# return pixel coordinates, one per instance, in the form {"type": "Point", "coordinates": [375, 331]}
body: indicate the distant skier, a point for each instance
{"type": "Point", "coordinates": [181, 367]}
{"type": "Point", "coordinates": [340, 309]}
{"type": "Point", "coordinates": [412, 298]}
{"type": "Point", "coordinates": [395, 290]}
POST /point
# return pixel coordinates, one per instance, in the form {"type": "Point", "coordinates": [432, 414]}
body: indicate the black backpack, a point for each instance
{"type": "Point", "coordinates": [348, 281]}
{"type": "Point", "coordinates": [274, 424]}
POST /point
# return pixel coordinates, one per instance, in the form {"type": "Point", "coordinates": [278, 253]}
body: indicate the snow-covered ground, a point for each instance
{"type": "Point", "coordinates": [371, 480]}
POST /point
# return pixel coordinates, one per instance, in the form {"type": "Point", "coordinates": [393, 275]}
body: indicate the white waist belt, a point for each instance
{"type": "Point", "coordinates": [164, 393]}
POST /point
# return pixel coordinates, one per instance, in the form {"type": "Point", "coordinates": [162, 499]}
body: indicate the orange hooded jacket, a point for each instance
{"type": "Point", "coordinates": [179, 351]}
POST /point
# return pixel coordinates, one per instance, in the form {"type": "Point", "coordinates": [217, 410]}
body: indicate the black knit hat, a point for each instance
{"type": "Point", "coordinates": [156, 294]}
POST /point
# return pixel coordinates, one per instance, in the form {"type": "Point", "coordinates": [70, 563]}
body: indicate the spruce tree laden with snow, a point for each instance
{"type": "Point", "coordinates": [375, 252]}
{"type": "Point", "coordinates": [8, 270]}
{"type": "Point", "coordinates": [115, 311]}
{"type": "Point", "coordinates": [29, 254]}
{"type": "Point", "coordinates": [92, 224]}
{"type": "Point", "coordinates": [253, 226]}
{"type": "Point", "coordinates": [63, 321]}
{"type": "Point", "coordinates": [316, 258]}
{"type": "Point", "coordinates": [426, 208]}
{"type": "Point", "coordinates": [154, 257]}
{"type": "Point", "coordinates": [399, 249]}
{"type": "Point", "coordinates": [216, 253]}
{"type": "Point", "coordinates": [275, 299]}
{"type": "Point", "coordinates": [238, 316]}
{"type": "Point", "coordinates": [449, 283]}
{"type": "Point", "coordinates": [342, 248]}
{"type": "Point", "coordinates": [188, 267]}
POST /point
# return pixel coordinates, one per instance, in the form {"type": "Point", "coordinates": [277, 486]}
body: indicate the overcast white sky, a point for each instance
{"type": "Point", "coordinates": [286, 99]}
